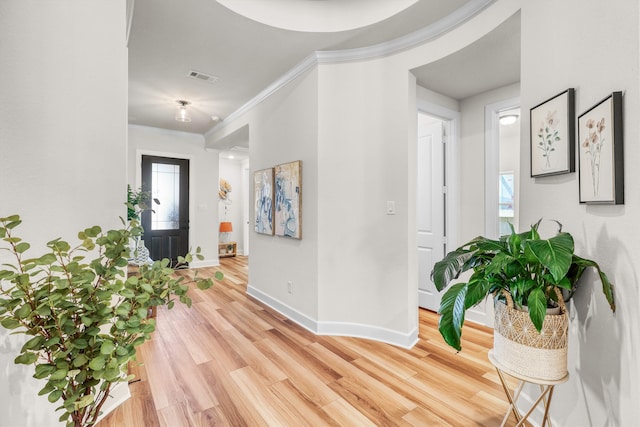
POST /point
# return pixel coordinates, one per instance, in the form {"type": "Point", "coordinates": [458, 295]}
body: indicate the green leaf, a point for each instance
{"type": "Point", "coordinates": [83, 402]}
{"type": "Point", "coordinates": [55, 395]}
{"type": "Point", "coordinates": [46, 389]}
{"type": "Point", "coordinates": [607, 286]}
{"type": "Point", "coordinates": [147, 288]}
{"type": "Point", "coordinates": [477, 290]}
{"type": "Point", "coordinates": [537, 303]}
{"type": "Point", "coordinates": [23, 312]}
{"type": "Point", "coordinates": [22, 247]}
{"type": "Point", "coordinates": [97, 364]}
{"type": "Point", "coordinates": [80, 360]}
{"type": "Point", "coordinates": [203, 284]}
{"type": "Point", "coordinates": [44, 370]}
{"type": "Point", "coordinates": [127, 293]}
{"type": "Point", "coordinates": [452, 310]}
{"type": "Point", "coordinates": [107, 347]}
{"type": "Point", "coordinates": [13, 223]}
{"type": "Point", "coordinates": [46, 259]}
{"type": "Point", "coordinates": [9, 323]}
{"type": "Point", "coordinates": [26, 359]}
{"type": "Point", "coordinates": [555, 254]}
{"type": "Point", "coordinates": [93, 231]}
{"type": "Point", "coordinates": [51, 342]}
{"type": "Point", "coordinates": [59, 245]}
{"type": "Point", "coordinates": [449, 268]}
{"type": "Point", "coordinates": [34, 343]}
{"type": "Point", "coordinates": [59, 374]}
{"type": "Point", "coordinates": [80, 343]}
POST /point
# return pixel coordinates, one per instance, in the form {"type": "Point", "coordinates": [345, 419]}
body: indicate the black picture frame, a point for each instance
{"type": "Point", "coordinates": [552, 135]}
{"type": "Point", "coordinates": [601, 155]}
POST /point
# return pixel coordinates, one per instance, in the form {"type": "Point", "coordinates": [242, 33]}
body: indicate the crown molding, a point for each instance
{"type": "Point", "coordinates": [430, 32]}
{"type": "Point", "coordinates": [418, 37]}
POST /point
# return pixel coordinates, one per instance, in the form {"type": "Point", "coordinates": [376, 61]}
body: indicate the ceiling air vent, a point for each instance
{"type": "Point", "coordinates": [202, 76]}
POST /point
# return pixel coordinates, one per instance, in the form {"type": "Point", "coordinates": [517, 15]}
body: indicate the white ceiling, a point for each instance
{"type": "Point", "coordinates": [170, 38]}
{"type": "Point", "coordinates": [489, 63]}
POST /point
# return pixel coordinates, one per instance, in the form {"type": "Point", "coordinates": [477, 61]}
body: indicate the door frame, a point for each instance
{"type": "Point", "coordinates": [452, 160]}
{"type": "Point", "coordinates": [492, 162]}
{"type": "Point", "coordinates": [189, 157]}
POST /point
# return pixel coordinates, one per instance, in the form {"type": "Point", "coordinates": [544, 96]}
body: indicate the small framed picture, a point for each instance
{"type": "Point", "coordinates": [553, 135]}
{"type": "Point", "coordinates": [601, 152]}
{"type": "Point", "coordinates": [288, 200]}
{"type": "Point", "coordinates": [263, 201]}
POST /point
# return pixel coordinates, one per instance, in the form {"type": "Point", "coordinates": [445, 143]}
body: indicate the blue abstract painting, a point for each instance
{"type": "Point", "coordinates": [263, 191]}
{"type": "Point", "coordinates": [288, 197]}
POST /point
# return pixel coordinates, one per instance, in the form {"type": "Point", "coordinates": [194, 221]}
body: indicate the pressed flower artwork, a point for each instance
{"type": "Point", "coordinates": [592, 146]}
{"type": "Point", "coordinates": [552, 134]}
{"type": "Point", "coordinates": [600, 150]}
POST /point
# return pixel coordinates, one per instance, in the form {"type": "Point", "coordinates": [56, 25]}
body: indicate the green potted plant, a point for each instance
{"type": "Point", "coordinates": [532, 271]}
{"type": "Point", "coordinates": [137, 202]}
{"type": "Point", "coordinates": [83, 316]}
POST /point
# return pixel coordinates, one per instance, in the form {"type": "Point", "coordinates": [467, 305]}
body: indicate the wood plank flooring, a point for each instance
{"type": "Point", "coordinates": [231, 361]}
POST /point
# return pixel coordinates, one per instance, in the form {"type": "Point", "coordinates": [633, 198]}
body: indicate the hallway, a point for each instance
{"type": "Point", "coordinates": [232, 361]}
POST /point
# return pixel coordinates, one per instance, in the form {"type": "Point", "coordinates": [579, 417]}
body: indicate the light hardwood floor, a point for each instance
{"type": "Point", "coordinates": [231, 361]}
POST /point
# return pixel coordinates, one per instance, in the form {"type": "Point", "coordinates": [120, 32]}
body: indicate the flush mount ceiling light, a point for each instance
{"type": "Point", "coordinates": [183, 114]}
{"type": "Point", "coordinates": [317, 16]}
{"type": "Point", "coordinates": [508, 119]}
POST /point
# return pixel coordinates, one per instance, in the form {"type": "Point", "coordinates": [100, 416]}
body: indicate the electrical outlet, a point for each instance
{"type": "Point", "coordinates": [290, 286]}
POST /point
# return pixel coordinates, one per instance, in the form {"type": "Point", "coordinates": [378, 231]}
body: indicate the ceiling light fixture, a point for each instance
{"type": "Point", "coordinates": [508, 119]}
{"type": "Point", "coordinates": [183, 114]}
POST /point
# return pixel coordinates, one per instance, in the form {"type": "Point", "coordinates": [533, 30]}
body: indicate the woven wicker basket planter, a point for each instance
{"type": "Point", "coordinates": [521, 349]}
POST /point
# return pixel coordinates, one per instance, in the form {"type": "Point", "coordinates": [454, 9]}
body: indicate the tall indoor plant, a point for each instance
{"type": "Point", "coordinates": [84, 317]}
{"type": "Point", "coordinates": [526, 266]}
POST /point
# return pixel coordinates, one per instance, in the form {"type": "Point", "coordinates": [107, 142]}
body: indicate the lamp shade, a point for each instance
{"type": "Point", "coordinates": [226, 227]}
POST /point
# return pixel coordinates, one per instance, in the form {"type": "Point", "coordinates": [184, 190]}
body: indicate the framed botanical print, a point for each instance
{"type": "Point", "coordinates": [601, 152]}
{"type": "Point", "coordinates": [552, 135]}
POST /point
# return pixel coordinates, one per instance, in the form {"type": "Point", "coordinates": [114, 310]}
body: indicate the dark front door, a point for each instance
{"type": "Point", "coordinates": [166, 226]}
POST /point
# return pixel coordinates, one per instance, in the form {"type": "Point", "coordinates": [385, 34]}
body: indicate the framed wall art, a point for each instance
{"type": "Point", "coordinates": [552, 135]}
{"type": "Point", "coordinates": [263, 201]}
{"type": "Point", "coordinates": [601, 162]}
{"type": "Point", "coordinates": [288, 200]}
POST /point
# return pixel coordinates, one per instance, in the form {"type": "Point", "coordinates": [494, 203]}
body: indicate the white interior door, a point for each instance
{"type": "Point", "coordinates": [431, 206]}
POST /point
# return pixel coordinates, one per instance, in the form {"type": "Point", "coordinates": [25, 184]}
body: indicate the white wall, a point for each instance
{"type": "Point", "coordinates": [363, 158]}
{"type": "Point", "coordinates": [231, 170]}
{"type": "Point", "coordinates": [63, 115]}
{"type": "Point", "coordinates": [594, 47]}
{"type": "Point", "coordinates": [353, 124]}
{"type": "Point", "coordinates": [203, 182]}
{"type": "Point", "coordinates": [284, 128]}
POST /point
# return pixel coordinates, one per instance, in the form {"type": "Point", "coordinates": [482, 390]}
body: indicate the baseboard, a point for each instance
{"type": "Point", "coordinates": [337, 328]}
{"type": "Point", "coordinates": [291, 313]}
{"type": "Point", "coordinates": [204, 263]}
{"type": "Point", "coordinates": [375, 333]}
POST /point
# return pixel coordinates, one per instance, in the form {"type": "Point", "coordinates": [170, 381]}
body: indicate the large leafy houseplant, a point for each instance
{"type": "Point", "coordinates": [84, 317]}
{"type": "Point", "coordinates": [522, 264]}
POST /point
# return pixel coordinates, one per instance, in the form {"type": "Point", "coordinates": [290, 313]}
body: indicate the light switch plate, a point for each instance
{"type": "Point", "coordinates": [391, 207]}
